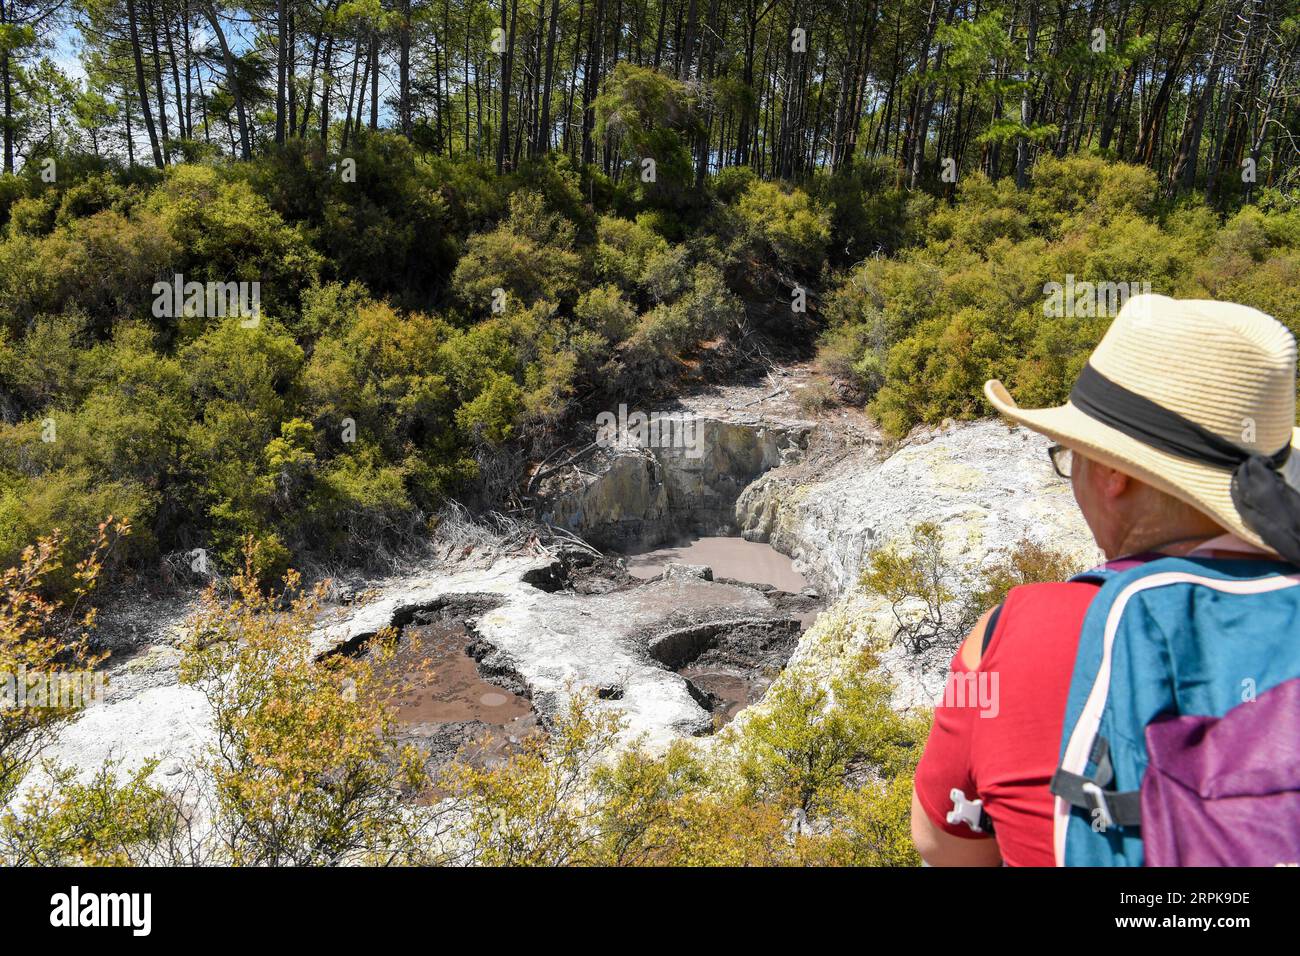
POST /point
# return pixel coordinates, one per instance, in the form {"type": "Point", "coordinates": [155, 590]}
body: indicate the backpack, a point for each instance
{"type": "Point", "coordinates": [1181, 739]}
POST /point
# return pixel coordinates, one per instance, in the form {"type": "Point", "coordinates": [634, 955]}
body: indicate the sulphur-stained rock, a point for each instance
{"type": "Point", "coordinates": [987, 485]}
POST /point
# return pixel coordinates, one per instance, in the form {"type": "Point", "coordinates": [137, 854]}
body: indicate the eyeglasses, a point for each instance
{"type": "Point", "coordinates": [1062, 459]}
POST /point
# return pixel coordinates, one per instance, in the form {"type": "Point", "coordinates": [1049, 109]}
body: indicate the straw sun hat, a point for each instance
{"type": "Point", "coordinates": [1197, 399]}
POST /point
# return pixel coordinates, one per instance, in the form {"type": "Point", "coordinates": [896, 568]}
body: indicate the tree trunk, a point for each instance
{"type": "Point", "coordinates": [688, 41]}
{"type": "Point", "coordinates": [544, 125]}
{"type": "Point", "coordinates": [126, 112]}
{"type": "Point", "coordinates": [7, 82]}
{"type": "Point", "coordinates": [1150, 135]}
{"type": "Point", "coordinates": [189, 68]}
{"type": "Point", "coordinates": [1183, 175]}
{"type": "Point", "coordinates": [374, 79]}
{"type": "Point", "coordinates": [291, 71]}
{"type": "Point", "coordinates": [232, 79]}
{"type": "Point", "coordinates": [301, 131]}
{"type": "Point", "coordinates": [1026, 99]}
{"type": "Point", "coordinates": [509, 9]}
{"type": "Point", "coordinates": [352, 95]}
{"type": "Point", "coordinates": [590, 81]}
{"type": "Point", "coordinates": [566, 136]}
{"type": "Point", "coordinates": [326, 83]}
{"type": "Point", "coordinates": [404, 69]}
{"type": "Point", "coordinates": [182, 131]}
{"type": "Point", "coordinates": [142, 88]}
{"type": "Point", "coordinates": [158, 81]}
{"type": "Point", "coordinates": [281, 51]}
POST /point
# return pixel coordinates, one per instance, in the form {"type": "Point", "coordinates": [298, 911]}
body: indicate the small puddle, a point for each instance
{"type": "Point", "coordinates": [454, 690]}
{"type": "Point", "coordinates": [751, 561]}
{"type": "Point", "coordinates": [729, 693]}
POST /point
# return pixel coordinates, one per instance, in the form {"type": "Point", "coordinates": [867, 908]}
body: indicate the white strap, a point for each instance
{"type": "Point", "coordinates": [1227, 542]}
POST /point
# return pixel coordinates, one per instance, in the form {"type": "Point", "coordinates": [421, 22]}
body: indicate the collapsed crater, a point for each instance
{"type": "Point", "coordinates": [728, 661]}
{"type": "Point", "coordinates": [629, 496]}
{"type": "Point", "coordinates": [671, 512]}
{"type": "Point", "coordinates": [728, 665]}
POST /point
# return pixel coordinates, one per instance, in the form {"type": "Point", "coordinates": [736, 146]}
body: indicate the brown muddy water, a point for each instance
{"type": "Point", "coordinates": [445, 706]}
{"type": "Point", "coordinates": [454, 710]}
{"type": "Point", "coordinates": [729, 693]}
{"type": "Point", "coordinates": [735, 558]}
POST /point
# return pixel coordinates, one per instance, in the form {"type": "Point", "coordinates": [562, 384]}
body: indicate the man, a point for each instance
{"type": "Point", "coordinates": [1176, 442]}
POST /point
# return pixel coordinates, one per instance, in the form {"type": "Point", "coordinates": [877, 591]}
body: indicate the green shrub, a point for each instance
{"type": "Point", "coordinates": [731, 183]}
{"type": "Point", "coordinates": [529, 257]}
{"type": "Point", "coordinates": [604, 310]}
{"type": "Point", "coordinates": [623, 248]}
{"type": "Point", "coordinates": [787, 225]}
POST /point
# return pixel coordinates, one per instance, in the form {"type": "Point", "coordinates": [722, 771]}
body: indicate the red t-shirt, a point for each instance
{"type": "Point", "coordinates": [997, 734]}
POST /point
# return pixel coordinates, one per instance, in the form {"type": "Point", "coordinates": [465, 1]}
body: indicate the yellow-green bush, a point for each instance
{"type": "Point", "coordinates": [967, 302]}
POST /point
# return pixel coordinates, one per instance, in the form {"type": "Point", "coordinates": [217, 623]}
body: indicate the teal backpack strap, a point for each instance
{"type": "Point", "coordinates": [1090, 791]}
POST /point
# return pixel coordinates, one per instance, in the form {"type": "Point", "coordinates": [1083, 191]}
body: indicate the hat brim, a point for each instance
{"type": "Point", "coordinates": [1205, 488]}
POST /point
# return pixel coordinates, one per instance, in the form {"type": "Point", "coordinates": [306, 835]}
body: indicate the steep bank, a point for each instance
{"type": "Point", "coordinates": [827, 490]}
{"type": "Point", "coordinates": [632, 495]}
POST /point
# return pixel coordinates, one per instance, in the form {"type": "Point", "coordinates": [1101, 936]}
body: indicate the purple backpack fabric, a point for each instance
{"type": "Point", "coordinates": [1225, 791]}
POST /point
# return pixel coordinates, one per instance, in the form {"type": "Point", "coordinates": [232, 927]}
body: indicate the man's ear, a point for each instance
{"type": "Point", "coordinates": [1114, 482]}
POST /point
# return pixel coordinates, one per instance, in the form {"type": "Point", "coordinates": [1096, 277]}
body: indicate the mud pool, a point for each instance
{"type": "Point", "coordinates": [444, 703]}
{"type": "Point", "coordinates": [729, 557]}
{"type": "Point", "coordinates": [724, 631]}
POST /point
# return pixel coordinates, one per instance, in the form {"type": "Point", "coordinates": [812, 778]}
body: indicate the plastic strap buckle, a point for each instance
{"type": "Point", "coordinates": [969, 812]}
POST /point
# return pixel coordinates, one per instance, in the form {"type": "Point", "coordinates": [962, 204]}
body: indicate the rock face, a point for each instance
{"type": "Point", "coordinates": [636, 496]}
{"type": "Point", "coordinates": [987, 486]}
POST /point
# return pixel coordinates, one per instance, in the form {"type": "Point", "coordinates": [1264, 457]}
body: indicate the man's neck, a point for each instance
{"type": "Point", "coordinates": [1175, 543]}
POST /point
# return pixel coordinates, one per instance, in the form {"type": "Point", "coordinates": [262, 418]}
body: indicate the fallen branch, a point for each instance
{"type": "Point", "coordinates": [573, 459]}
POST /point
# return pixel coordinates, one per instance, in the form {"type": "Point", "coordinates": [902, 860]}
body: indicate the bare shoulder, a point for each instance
{"type": "Point", "coordinates": [973, 646]}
